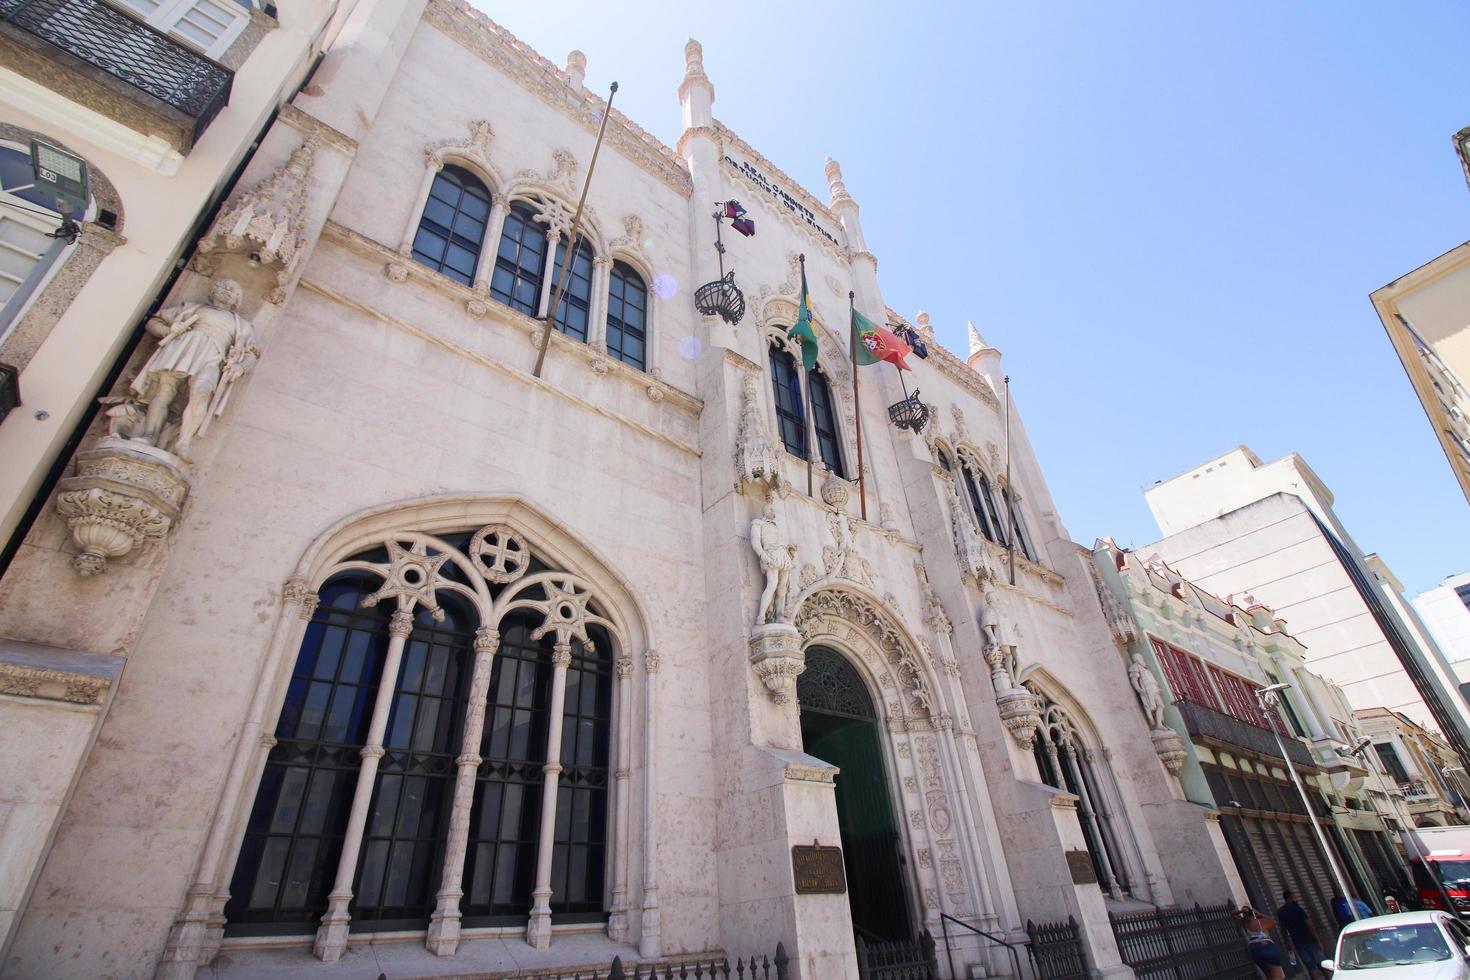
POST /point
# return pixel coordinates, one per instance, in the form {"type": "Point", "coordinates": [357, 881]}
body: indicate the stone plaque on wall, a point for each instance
{"type": "Point", "coordinates": [818, 870]}
{"type": "Point", "coordinates": [1080, 864]}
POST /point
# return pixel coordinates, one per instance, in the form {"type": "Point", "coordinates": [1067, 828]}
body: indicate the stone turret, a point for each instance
{"type": "Point", "coordinates": [984, 359]}
{"type": "Point", "coordinates": [696, 92]}
{"type": "Point", "coordinates": [576, 70]}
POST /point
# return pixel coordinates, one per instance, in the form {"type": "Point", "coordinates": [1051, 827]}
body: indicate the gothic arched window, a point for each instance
{"type": "Point", "coordinates": [381, 699]}
{"type": "Point", "coordinates": [520, 260]}
{"type": "Point", "coordinates": [1065, 763]}
{"type": "Point", "coordinates": [627, 316]}
{"type": "Point", "coordinates": [572, 313]}
{"type": "Point", "coordinates": [1018, 525]}
{"type": "Point", "coordinates": [452, 229]}
{"type": "Point", "coordinates": [977, 502]}
{"type": "Point", "coordinates": [790, 413]}
{"type": "Point", "coordinates": [824, 420]}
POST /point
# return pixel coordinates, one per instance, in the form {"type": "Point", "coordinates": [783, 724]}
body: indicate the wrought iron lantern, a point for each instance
{"type": "Point", "coordinates": [909, 414]}
{"type": "Point", "coordinates": [721, 297]}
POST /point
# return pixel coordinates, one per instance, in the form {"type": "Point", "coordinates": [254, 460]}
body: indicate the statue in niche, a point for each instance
{"type": "Point", "coordinates": [777, 558]}
{"type": "Point", "coordinates": [998, 648]}
{"type": "Point", "coordinates": [1150, 697]}
{"type": "Point", "coordinates": [203, 349]}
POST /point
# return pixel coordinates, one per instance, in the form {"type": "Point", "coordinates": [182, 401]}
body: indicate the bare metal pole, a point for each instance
{"type": "Point", "coordinates": [857, 406]}
{"type": "Point", "coordinates": [1268, 698]}
{"type": "Point", "coordinates": [1009, 492]}
{"type": "Point", "coordinates": [566, 266]}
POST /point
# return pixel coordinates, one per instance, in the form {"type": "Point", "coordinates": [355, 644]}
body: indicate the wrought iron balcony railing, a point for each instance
{"type": "Point", "coordinates": [1416, 790]}
{"type": "Point", "coordinates": [125, 48]}
{"type": "Point", "coordinates": [1203, 722]}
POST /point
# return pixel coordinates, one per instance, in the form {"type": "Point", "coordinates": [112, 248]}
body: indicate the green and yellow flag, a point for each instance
{"type": "Point", "coordinates": [802, 331]}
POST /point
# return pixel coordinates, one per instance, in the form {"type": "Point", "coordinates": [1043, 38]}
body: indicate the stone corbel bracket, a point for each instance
{"type": "Point", "coordinates": [776, 656]}
{"type": "Point", "coordinates": [124, 494]}
{"type": "Point", "coordinates": [1170, 749]}
{"type": "Point", "coordinates": [1020, 713]}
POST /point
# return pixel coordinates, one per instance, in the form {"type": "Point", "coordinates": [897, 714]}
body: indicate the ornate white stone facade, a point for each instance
{"type": "Point", "coordinates": [394, 431]}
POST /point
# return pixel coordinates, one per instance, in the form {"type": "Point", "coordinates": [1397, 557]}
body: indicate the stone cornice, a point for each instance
{"type": "Point", "coordinates": [52, 685]}
{"type": "Point", "coordinates": [307, 125]}
{"type": "Point", "coordinates": [504, 51]}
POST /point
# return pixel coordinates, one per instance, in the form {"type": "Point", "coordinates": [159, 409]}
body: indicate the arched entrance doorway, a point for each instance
{"type": "Point", "coordinates": [840, 726]}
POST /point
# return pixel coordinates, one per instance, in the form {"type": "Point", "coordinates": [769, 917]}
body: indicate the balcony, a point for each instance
{"type": "Point", "coordinates": [98, 56]}
{"type": "Point", "coordinates": [1417, 791]}
{"type": "Point", "coordinates": [1216, 727]}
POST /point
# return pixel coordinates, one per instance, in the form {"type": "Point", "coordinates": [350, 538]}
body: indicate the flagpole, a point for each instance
{"type": "Point", "coordinates": [806, 410]}
{"type": "Point", "coordinates": [571, 258]}
{"type": "Point", "coordinates": [857, 406]}
{"type": "Point", "coordinates": [1009, 492]}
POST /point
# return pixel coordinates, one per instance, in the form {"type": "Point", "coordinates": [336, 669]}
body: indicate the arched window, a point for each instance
{"type": "Point", "coordinates": [790, 414]}
{"type": "Point", "coordinates": [520, 260]}
{"type": "Point", "coordinates": [1018, 525]}
{"type": "Point", "coordinates": [1066, 764]}
{"type": "Point", "coordinates": [944, 461]}
{"type": "Point", "coordinates": [296, 838]}
{"type": "Point", "coordinates": [824, 420]}
{"type": "Point", "coordinates": [977, 503]}
{"type": "Point", "coordinates": [576, 299]}
{"type": "Point", "coordinates": [993, 514]}
{"type": "Point", "coordinates": [627, 316]}
{"type": "Point", "coordinates": [452, 229]}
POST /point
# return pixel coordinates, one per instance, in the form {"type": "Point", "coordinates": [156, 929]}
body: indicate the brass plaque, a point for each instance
{"type": "Point", "coordinates": [818, 870]}
{"type": "Point", "coordinates": [1080, 864]}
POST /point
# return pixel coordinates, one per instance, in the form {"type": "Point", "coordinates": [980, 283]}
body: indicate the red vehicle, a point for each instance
{"type": "Point", "coordinates": [1441, 853]}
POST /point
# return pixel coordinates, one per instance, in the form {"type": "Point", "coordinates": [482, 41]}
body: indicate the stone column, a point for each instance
{"type": "Point", "coordinates": [443, 935]}
{"type": "Point", "coordinates": [411, 229]}
{"type": "Point", "coordinates": [548, 280]}
{"type": "Point", "coordinates": [597, 308]}
{"type": "Point", "coordinates": [538, 930]}
{"type": "Point", "coordinates": [331, 936]}
{"type": "Point", "coordinates": [494, 228]}
{"type": "Point", "coordinates": [648, 941]}
{"type": "Point", "coordinates": [617, 919]}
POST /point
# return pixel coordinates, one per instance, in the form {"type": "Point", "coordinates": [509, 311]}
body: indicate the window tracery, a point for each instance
{"type": "Point", "coordinates": [1065, 762]}
{"type": "Point", "coordinates": [445, 737]}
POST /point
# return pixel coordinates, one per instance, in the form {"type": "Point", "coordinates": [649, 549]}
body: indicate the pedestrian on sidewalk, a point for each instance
{"type": "Point", "coordinates": [1263, 950]}
{"type": "Point", "coordinates": [1301, 934]}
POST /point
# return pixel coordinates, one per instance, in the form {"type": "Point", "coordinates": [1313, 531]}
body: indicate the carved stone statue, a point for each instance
{"type": "Point", "coordinates": [756, 459]}
{"type": "Point", "coordinates": [777, 558]}
{"type": "Point", "coordinates": [203, 349]}
{"type": "Point", "coordinates": [1149, 694]}
{"type": "Point", "coordinates": [971, 550]}
{"type": "Point", "coordinates": [997, 646]}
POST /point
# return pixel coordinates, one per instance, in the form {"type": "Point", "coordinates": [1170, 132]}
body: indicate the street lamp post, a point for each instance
{"type": "Point", "coordinates": [1360, 749]}
{"type": "Point", "coordinates": [1268, 698]}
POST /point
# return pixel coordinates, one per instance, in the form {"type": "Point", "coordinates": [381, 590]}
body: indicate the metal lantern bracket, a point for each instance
{"type": "Point", "coordinates": [722, 297]}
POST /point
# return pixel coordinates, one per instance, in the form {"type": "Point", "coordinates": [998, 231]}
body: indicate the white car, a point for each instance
{"type": "Point", "coordinates": [1425, 945]}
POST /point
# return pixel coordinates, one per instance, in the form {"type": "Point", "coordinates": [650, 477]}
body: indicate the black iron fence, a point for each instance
{"type": "Point", "coordinates": [897, 959]}
{"type": "Point", "coordinates": [129, 50]}
{"type": "Point", "coordinates": [714, 968]}
{"type": "Point", "coordinates": [1183, 944]}
{"type": "Point", "coordinates": [1056, 950]}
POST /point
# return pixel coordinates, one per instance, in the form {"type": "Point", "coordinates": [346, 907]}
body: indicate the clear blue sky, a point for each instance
{"type": "Point", "coordinates": [1168, 216]}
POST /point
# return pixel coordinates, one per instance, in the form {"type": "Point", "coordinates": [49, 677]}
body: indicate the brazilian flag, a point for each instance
{"type": "Point", "coordinates": [802, 332]}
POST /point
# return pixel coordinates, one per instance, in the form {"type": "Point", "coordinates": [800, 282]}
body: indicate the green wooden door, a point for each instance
{"type": "Point", "coordinates": [839, 726]}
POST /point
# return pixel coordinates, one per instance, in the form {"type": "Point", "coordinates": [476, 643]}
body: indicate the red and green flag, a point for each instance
{"type": "Point", "coordinates": [871, 343]}
{"type": "Point", "coordinates": [802, 331]}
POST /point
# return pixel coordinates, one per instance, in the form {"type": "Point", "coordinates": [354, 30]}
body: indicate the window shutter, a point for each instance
{"type": "Point", "coordinates": [208, 26]}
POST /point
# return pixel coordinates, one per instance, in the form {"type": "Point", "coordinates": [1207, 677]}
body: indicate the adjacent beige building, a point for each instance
{"type": "Point", "coordinates": [1267, 532]}
{"type": "Point", "coordinates": [1445, 609]}
{"type": "Point", "coordinates": [1427, 315]}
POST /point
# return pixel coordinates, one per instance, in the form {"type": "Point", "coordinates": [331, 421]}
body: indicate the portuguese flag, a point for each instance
{"type": "Point", "coordinates": [802, 332]}
{"type": "Point", "coordinates": [871, 343]}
